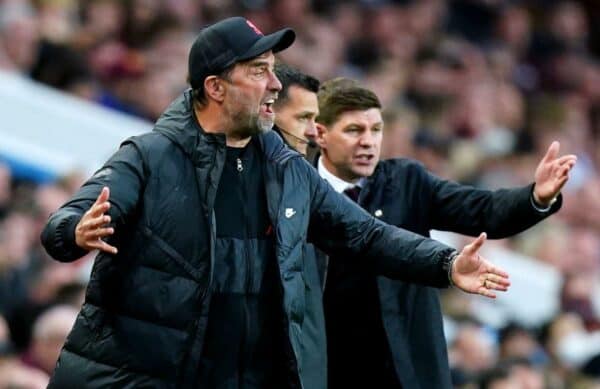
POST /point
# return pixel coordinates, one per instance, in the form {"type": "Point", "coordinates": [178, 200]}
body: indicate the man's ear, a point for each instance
{"type": "Point", "coordinates": [321, 135]}
{"type": "Point", "coordinates": [214, 88]}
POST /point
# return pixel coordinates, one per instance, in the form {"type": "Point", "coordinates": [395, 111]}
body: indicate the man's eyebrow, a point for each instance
{"type": "Point", "coordinates": [307, 113]}
{"type": "Point", "coordinates": [353, 126]}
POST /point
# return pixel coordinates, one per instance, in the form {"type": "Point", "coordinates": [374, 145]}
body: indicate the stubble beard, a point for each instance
{"type": "Point", "coordinates": [246, 124]}
{"type": "Point", "coordinates": [251, 125]}
{"type": "Point", "coordinates": [264, 124]}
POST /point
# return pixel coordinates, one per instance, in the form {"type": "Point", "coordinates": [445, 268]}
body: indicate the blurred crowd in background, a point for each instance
{"type": "Point", "coordinates": [475, 89]}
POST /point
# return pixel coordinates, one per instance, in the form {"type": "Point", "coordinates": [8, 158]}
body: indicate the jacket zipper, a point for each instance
{"type": "Point", "coordinates": [249, 278]}
{"type": "Point", "coordinates": [240, 169]}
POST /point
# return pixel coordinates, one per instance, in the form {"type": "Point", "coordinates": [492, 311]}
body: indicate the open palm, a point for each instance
{"type": "Point", "coordinates": [552, 174]}
{"type": "Point", "coordinates": [474, 274]}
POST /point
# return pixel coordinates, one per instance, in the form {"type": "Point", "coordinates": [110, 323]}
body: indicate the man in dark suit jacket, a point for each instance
{"type": "Point", "coordinates": [388, 334]}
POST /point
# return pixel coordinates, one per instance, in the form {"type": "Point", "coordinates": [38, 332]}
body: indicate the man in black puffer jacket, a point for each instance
{"type": "Point", "coordinates": [201, 227]}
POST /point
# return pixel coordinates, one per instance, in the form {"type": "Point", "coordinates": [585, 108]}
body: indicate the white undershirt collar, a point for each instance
{"type": "Point", "coordinates": [337, 183]}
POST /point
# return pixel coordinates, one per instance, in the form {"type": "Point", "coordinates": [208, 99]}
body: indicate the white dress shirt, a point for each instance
{"type": "Point", "coordinates": [337, 183]}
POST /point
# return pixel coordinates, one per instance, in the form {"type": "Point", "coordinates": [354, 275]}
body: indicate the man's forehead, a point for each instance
{"type": "Point", "coordinates": [368, 116]}
{"type": "Point", "coordinates": [300, 98]}
{"type": "Point", "coordinates": [299, 89]}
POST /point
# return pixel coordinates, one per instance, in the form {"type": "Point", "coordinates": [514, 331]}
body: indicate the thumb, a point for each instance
{"type": "Point", "coordinates": [474, 246]}
{"type": "Point", "coordinates": [552, 152]}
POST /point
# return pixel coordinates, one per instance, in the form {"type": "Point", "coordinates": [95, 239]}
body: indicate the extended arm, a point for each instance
{"type": "Point", "coordinates": [504, 212]}
{"type": "Point", "coordinates": [92, 214]}
{"type": "Point", "coordinates": [339, 226]}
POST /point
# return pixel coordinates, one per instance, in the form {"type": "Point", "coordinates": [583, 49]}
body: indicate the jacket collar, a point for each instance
{"type": "Point", "coordinates": [275, 149]}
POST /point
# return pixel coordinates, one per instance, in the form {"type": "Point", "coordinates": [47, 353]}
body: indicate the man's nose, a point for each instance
{"type": "Point", "coordinates": [310, 132]}
{"type": "Point", "coordinates": [274, 84]}
{"type": "Point", "coordinates": [367, 139]}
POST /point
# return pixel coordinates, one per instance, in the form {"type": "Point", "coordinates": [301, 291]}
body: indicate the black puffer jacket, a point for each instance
{"type": "Point", "coordinates": [145, 315]}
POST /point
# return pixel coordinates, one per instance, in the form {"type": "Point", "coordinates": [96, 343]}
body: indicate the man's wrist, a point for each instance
{"type": "Point", "coordinates": [537, 204]}
{"type": "Point", "coordinates": [448, 265]}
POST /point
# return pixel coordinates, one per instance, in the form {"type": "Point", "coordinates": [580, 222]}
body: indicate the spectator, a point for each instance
{"type": "Point", "coordinates": [49, 333]}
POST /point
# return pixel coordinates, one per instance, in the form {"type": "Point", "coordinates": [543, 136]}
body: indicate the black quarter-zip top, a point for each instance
{"type": "Point", "coordinates": [243, 343]}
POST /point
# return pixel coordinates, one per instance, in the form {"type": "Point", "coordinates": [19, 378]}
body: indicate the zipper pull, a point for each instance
{"type": "Point", "coordinates": [240, 167]}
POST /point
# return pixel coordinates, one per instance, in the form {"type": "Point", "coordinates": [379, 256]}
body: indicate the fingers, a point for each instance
{"type": "Point", "coordinates": [103, 196]}
{"type": "Point", "coordinates": [552, 151]}
{"type": "Point", "coordinates": [563, 171]}
{"type": "Point", "coordinates": [99, 209]}
{"type": "Point", "coordinates": [492, 282]}
{"type": "Point", "coordinates": [495, 286]}
{"type": "Point", "coordinates": [103, 246]}
{"type": "Point", "coordinates": [495, 273]}
{"type": "Point", "coordinates": [91, 238]}
{"type": "Point", "coordinates": [562, 175]}
{"type": "Point", "coordinates": [568, 165]}
{"type": "Point", "coordinates": [566, 159]}
{"type": "Point", "coordinates": [500, 281]}
{"type": "Point", "coordinates": [93, 226]}
{"type": "Point", "coordinates": [102, 204]}
{"type": "Point", "coordinates": [562, 167]}
{"type": "Point", "coordinates": [96, 222]}
{"type": "Point", "coordinates": [561, 182]}
{"type": "Point", "coordinates": [98, 233]}
{"type": "Point", "coordinates": [473, 247]}
{"type": "Point", "coordinates": [495, 281]}
{"type": "Point", "coordinates": [486, 292]}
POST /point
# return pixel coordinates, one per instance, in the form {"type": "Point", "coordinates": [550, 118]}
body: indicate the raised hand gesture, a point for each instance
{"type": "Point", "coordinates": [552, 174]}
{"type": "Point", "coordinates": [474, 274]}
{"type": "Point", "coordinates": [93, 226]}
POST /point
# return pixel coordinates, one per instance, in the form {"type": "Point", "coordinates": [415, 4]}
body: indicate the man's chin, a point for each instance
{"type": "Point", "coordinates": [258, 128]}
{"type": "Point", "coordinates": [264, 125]}
{"type": "Point", "coordinates": [363, 171]}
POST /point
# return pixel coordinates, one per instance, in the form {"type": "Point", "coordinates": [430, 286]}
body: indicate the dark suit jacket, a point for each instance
{"type": "Point", "coordinates": [368, 314]}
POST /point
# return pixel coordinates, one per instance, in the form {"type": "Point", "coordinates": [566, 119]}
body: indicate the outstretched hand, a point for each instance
{"type": "Point", "coordinates": [474, 274]}
{"type": "Point", "coordinates": [552, 174]}
{"type": "Point", "coordinates": [93, 226]}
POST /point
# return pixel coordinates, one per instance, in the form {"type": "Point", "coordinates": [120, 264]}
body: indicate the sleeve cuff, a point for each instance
{"type": "Point", "coordinates": [64, 239]}
{"type": "Point", "coordinates": [539, 208]}
{"type": "Point", "coordinates": [447, 265]}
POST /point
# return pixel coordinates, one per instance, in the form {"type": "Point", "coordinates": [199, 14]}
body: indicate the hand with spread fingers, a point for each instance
{"type": "Point", "coordinates": [92, 227]}
{"type": "Point", "coordinates": [474, 274]}
{"type": "Point", "coordinates": [552, 174]}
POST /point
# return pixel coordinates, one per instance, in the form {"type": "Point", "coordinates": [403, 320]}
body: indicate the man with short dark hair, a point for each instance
{"type": "Point", "coordinates": [383, 333]}
{"type": "Point", "coordinates": [296, 108]}
{"type": "Point", "coordinates": [201, 279]}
